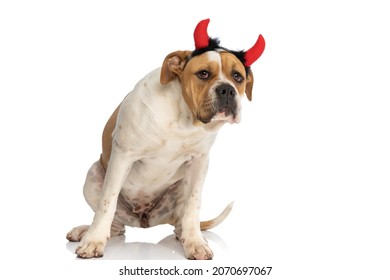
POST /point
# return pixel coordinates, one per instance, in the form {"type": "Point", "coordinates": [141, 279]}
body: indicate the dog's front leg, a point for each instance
{"type": "Point", "coordinates": [195, 246]}
{"type": "Point", "coordinates": [93, 242]}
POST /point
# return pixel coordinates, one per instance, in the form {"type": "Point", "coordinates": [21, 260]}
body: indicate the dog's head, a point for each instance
{"type": "Point", "coordinates": [213, 78]}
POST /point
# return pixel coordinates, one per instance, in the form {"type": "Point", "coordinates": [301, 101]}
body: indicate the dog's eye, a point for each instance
{"type": "Point", "coordinates": [203, 74]}
{"type": "Point", "coordinates": [238, 77]}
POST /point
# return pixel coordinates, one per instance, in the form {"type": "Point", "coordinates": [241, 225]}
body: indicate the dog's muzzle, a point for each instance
{"type": "Point", "coordinates": [223, 106]}
{"type": "Point", "coordinates": [226, 103]}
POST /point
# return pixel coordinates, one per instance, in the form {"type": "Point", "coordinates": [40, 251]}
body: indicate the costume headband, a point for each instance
{"type": "Point", "coordinates": [204, 43]}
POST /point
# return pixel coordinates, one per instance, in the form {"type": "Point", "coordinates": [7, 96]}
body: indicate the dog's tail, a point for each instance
{"type": "Point", "coordinates": [216, 221]}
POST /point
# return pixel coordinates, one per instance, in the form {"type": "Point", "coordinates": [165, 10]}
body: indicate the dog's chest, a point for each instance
{"type": "Point", "coordinates": [154, 182]}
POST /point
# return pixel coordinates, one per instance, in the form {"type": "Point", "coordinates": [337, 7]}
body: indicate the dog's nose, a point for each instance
{"type": "Point", "coordinates": [226, 92]}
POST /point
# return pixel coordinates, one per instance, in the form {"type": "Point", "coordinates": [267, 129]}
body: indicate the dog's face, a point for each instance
{"type": "Point", "coordinates": [212, 84]}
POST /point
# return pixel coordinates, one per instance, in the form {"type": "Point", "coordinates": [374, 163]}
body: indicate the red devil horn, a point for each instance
{"type": "Point", "coordinates": [200, 34]}
{"type": "Point", "coordinates": [255, 52]}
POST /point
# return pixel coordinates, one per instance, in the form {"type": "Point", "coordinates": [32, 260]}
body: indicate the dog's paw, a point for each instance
{"type": "Point", "coordinates": [197, 249]}
{"type": "Point", "coordinates": [77, 233]}
{"type": "Point", "coordinates": [91, 247]}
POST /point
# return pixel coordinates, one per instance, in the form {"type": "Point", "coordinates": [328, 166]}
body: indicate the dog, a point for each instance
{"type": "Point", "coordinates": [156, 145]}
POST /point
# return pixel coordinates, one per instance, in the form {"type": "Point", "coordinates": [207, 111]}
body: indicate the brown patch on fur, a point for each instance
{"type": "Point", "coordinates": [231, 64]}
{"type": "Point", "coordinates": [195, 90]}
{"type": "Point", "coordinates": [173, 66]}
{"type": "Point", "coordinates": [107, 139]}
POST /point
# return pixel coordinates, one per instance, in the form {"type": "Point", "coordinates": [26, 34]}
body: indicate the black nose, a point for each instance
{"type": "Point", "coordinates": [226, 92]}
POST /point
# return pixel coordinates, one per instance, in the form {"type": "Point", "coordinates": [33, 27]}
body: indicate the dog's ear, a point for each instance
{"type": "Point", "coordinates": [249, 84]}
{"type": "Point", "coordinates": [173, 66]}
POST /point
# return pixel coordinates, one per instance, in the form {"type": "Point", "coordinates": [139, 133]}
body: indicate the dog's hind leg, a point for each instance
{"type": "Point", "coordinates": [77, 233]}
{"type": "Point", "coordinates": [92, 193]}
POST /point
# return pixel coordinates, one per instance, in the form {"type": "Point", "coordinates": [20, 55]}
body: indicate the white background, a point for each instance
{"type": "Point", "coordinates": [308, 167]}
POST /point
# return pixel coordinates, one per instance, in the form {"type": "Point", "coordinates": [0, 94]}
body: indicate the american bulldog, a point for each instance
{"type": "Point", "coordinates": [156, 145]}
